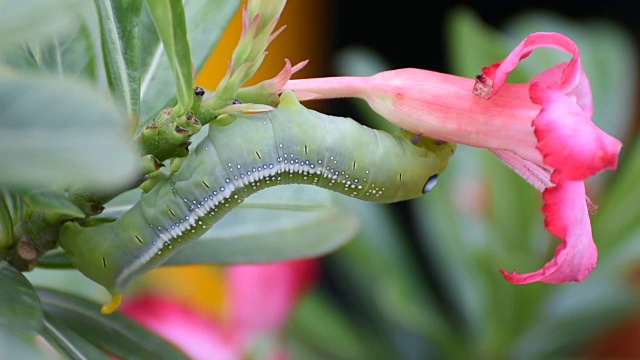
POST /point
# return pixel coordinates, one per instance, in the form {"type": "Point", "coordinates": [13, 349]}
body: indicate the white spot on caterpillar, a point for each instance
{"type": "Point", "coordinates": [431, 182]}
{"type": "Point", "coordinates": [164, 236]}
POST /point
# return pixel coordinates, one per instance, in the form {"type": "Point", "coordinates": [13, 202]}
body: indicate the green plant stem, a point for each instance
{"type": "Point", "coordinates": [37, 231]}
{"type": "Point", "coordinates": [169, 136]}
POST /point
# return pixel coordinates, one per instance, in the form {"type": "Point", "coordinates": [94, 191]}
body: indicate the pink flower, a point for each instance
{"type": "Point", "coordinates": [542, 130]}
{"type": "Point", "coordinates": [259, 298]}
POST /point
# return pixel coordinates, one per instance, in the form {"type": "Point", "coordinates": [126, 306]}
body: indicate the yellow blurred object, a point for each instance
{"type": "Point", "coordinates": [202, 286]}
{"type": "Point", "coordinates": [112, 305]}
{"type": "Point", "coordinates": [304, 38]}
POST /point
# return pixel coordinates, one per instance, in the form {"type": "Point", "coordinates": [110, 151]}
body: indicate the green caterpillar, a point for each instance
{"type": "Point", "coordinates": [244, 154]}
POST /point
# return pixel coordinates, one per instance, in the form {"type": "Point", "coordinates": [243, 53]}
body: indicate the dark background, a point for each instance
{"type": "Point", "coordinates": [416, 36]}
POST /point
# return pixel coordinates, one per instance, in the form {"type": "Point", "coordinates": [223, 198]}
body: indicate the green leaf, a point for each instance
{"type": "Point", "coordinates": [322, 326]}
{"type": "Point", "coordinates": [21, 310]}
{"type": "Point", "coordinates": [16, 346]}
{"type": "Point", "coordinates": [380, 267]}
{"type": "Point", "coordinates": [618, 214]}
{"type": "Point", "coordinates": [53, 202]}
{"type": "Point", "coordinates": [120, 31]}
{"type": "Point", "coordinates": [34, 20]}
{"type": "Point", "coordinates": [54, 260]}
{"type": "Point", "coordinates": [206, 21]}
{"type": "Point", "coordinates": [57, 132]}
{"type": "Point", "coordinates": [16, 58]}
{"type": "Point", "coordinates": [6, 226]}
{"type": "Point", "coordinates": [114, 333]}
{"type": "Point", "coordinates": [68, 342]}
{"type": "Point", "coordinates": [120, 204]}
{"type": "Point", "coordinates": [169, 18]}
{"type": "Point", "coordinates": [70, 54]}
{"type": "Point", "coordinates": [294, 235]}
{"type": "Point", "coordinates": [280, 223]}
{"type": "Point", "coordinates": [71, 282]}
{"type": "Point", "coordinates": [14, 205]}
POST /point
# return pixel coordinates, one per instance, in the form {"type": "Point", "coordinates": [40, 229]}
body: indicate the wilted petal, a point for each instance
{"type": "Point", "coordinates": [567, 217]}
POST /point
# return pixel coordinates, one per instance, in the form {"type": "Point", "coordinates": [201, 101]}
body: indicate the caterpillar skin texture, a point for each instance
{"type": "Point", "coordinates": [244, 154]}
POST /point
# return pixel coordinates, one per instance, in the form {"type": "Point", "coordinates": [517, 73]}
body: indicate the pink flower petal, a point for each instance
{"type": "Point", "coordinates": [195, 334]}
{"type": "Point", "coordinates": [285, 74]}
{"type": "Point", "coordinates": [568, 140]}
{"type": "Point", "coordinates": [581, 94]}
{"type": "Point", "coordinates": [262, 296]}
{"type": "Point", "coordinates": [567, 217]}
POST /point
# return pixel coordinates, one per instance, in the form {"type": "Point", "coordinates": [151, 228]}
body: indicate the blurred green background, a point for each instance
{"type": "Point", "coordinates": [421, 278]}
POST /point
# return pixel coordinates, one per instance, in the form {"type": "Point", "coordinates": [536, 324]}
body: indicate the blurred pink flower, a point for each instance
{"type": "Point", "coordinates": [260, 300]}
{"type": "Point", "coordinates": [542, 130]}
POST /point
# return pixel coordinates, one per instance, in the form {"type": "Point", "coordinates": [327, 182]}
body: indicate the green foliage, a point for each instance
{"type": "Point", "coordinates": [49, 137]}
{"type": "Point", "coordinates": [68, 342]}
{"type": "Point", "coordinates": [34, 20]}
{"type": "Point", "coordinates": [168, 17]}
{"type": "Point", "coordinates": [54, 203]}
{"type": "Point", "coordinates": [206, 20]}
{"type": "Point", "coordinates": [120, 35]}
{"type": "Point", "coordinates": [21, 310]}
{"type": "Point", "coordinates": [116, 334]}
